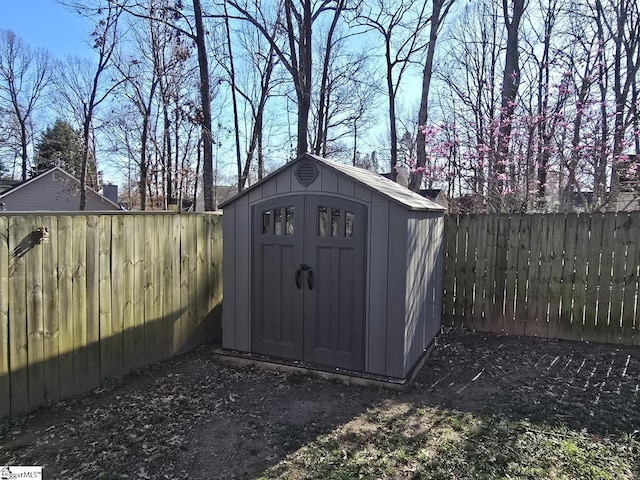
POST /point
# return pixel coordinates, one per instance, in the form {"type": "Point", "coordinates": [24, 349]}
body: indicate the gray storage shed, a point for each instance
{"type": "Point", "coordinates": [332, 265]}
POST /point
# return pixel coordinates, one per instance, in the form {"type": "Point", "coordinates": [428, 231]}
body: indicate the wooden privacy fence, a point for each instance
{"type": "Point", "coordinates": [106, 295]}
{"type": "Point", "coordinates": [565, 276]}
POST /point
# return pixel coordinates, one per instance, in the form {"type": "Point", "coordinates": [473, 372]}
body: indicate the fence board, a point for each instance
{"type": "Point", "coordinates": [542, 303]}
{"type": "Point", "coordinates": [614, 329]}
{"type": "Point", "coordinates": [129, 360]}
{"type": "Point", "coordinates": [565, 328]}
{"type": "Point", "coordinates": [533, 291]}
{"type": "Point", "coordinates": [512, 274]}
{"type": "Point", "coordinates": [117, 289]}
{"type": "Point", "coordinates": [502, 243]}
{"type": "Point", "coordinates": [481, 273]}
{"type": "Point", "coordinates": [51, 314]}
{"type": "Point", "coordinates": [451, 226]}
{"type": "Point", "coordinates": [93, 301]}
{"type": "Point", "coordinates": [460, 267]}
{"type": "Point", "coordinates": [201, 273]}
{"type": "Point", "coordinates": [520, 323]}
{"type": "Point", "coordinates": [5, 384]}
{"type": "Point", "coordinates": [185, 305]}
{"type": "Point", "coordinates": [490, 319]}
{"type": "Point", "coordinates": [139, 291]}
{"type": "Point", "coordinates": [35, 317]}
{"type": "Point", "coordinates": [593, 271]}
{"type": "Point", "coordinates": [217, 250]}
{"type": "Point", "coordinates": [150, 311]}
{"type": "Point", "coordinates": [605, 276]}
{"type": "Point", "coordinates": [470, 271]}
{"type": "Point", "coordinates": [65, 295]}
{"type": "Point", "coordinates": [79, 314]}
{"type": "Point", "coordinates": [556, 259]}
{"type": "Point", "coordinates": [160, 320]}
{"type": "Point", "coordinates": [208, 271]}
{"type": "Point", "coordinates": [18, 358]}
{"type": "Point", "coordinates": [580, 289]}
{"type": "Point", "coordinates": [175, 286]}
{"type": "Point", "coordinates": [192, 249]}
{"type": "Point", "coordinates": [104, 290]}
{"type": "Point", "coordinates": [630, 322]}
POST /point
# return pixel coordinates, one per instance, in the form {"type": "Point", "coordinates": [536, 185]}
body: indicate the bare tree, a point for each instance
{"type": "Point", "coordinates": [439, 11]}
{"type": "Point", "coordinates": [400, 24]}
{"type": "Point", "coordinates": [509, 93]}
{"type": "Point", "coordinates": [621, 19]}
{"type": "Point", "coordinates": [296, 22]}
{"type": "Point", "coordinates": [345, 101]}
{"type": "Point", "coordinates": [81, 84]}
{"type": "Point", "coordinates": [259, 80]}
{"type": "Point", "coordinates": [24, 75]}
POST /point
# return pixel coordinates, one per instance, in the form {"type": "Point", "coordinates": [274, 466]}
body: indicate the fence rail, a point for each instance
{"type": "Point", "coordinates": [572, 276]}
{"type": "Point", "coordinates": [108, 294]}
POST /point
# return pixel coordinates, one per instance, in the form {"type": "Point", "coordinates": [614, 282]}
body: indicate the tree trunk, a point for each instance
{"type": "Point", "coordinates": [205, 96]}
{"type": "Point", "coordinates": [510, 83]}
{"type": "Point", "coordinates": [234, 101]}
{"type": "Point", "coordinates": [423, 113]}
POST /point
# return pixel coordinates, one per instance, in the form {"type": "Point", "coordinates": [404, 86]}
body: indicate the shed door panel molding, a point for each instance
{"type": "Point", "coordinates": [278, 247]}
{"type": "Point", "coordinates": [309, 280]}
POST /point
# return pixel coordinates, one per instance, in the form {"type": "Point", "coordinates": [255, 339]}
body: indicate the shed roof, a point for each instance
{"type": "Point", "coordinates": [373, 181]}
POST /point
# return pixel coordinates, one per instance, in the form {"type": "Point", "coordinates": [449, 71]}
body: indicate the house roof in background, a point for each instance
{"type": "Point", "coordinates": [7, 183]}
{"type": "Point", "coordinates": [30, 181]}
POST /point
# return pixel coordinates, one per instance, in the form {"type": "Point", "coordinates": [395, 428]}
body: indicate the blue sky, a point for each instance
{"type": "Point", "coordinates": [46, 24]}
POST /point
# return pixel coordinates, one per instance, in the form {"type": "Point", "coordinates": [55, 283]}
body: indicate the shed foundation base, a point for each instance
{"type": "Point", "coordinates": [328, 373]}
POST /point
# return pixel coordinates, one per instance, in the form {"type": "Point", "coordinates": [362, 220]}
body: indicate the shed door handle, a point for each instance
{"type": "Point", "coordinates": [298, 278]}
{"type": "Point", "coordinates": [310, 279]}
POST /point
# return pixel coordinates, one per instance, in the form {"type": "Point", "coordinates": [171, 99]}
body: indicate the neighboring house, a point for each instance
{"type": "Point", "coordinates": [7, 183]}
{"type": "Point", "coordinates": [52, 191]}
{"type": "Point", "coordinates": [221, 193]}
{"type": "Point", "coordinates": [581, 201]}
{"type": "Point", "coordinates": [437, 195]}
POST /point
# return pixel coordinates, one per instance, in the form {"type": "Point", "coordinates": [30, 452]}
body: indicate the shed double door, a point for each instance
{"type": "Point", "coordinates": [309, 280]}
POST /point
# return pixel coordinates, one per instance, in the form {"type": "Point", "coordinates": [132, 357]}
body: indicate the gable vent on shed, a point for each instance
{"type": "Point", "coordinates": [306, 173]}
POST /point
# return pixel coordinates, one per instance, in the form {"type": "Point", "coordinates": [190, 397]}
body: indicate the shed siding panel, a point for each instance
{"type": "Point", "coordinates": [283, 181]}
{"type": "Point", "coordinates": [362, 193]}
{"type": "Point", "coordinates": [255, 195]}
{"type": "Point", "coordinates": [396, 286]}
{"type": "Point", "coordinates": [269, 188]}
{"type": "Point", "coordinates": [417, 269]}
{"type": "Point", "coordinates": [377, 302]}
{"type": "Point", "coordinates": [329, 181]}
{"type": "Point", "coordinates": [346, 186]}
{"type": "Point", "coordinates": [424, 250]}
{"type": "Point", "coordinates": [228, 276]}
{"type": "Point", "coordinates": [436, 246]}
{"type": "Point", "coordinates": [242, 280]}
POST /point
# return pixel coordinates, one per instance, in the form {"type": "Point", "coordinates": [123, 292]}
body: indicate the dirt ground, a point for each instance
{"type": "Point", "coordinates": [198, 418]}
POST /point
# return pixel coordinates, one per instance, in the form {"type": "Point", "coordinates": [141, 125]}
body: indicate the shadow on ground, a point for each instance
{"type": "Point", "coordinates": [483, 406]}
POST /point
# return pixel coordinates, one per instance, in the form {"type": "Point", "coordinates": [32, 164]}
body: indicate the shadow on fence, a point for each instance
{"type": "Point", "coordinates": [108, 294]}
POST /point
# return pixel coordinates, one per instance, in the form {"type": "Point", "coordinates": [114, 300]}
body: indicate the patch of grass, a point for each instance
{"type": "Point", "coordinates": [431, 443]}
